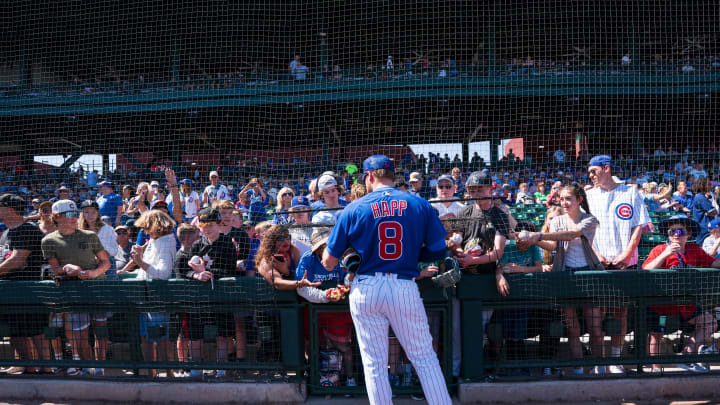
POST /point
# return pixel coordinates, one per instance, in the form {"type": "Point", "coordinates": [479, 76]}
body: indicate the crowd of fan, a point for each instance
{"type": "Point", "coordinates": [203, 230]}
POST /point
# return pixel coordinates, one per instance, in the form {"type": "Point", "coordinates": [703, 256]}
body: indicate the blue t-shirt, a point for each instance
{"type": "Point", "coordinates": [700, 207]}
{"type": "Point", "coordinates": [282, 217]}
{"type": "Point", "coordinates": [315, 270]}
{"type": "Point", "coordinates": [512, 254]}
{"type": "Point", "coordinates": [685, 200]}
{"type": "Point", "coordinates": [321, 204]}
{"type": "Point", "coordinates": [254, 246]}
{"type": "Point", "coordinates": [108, 205]}
{"type": "Point", "coordinates": [388, 228]}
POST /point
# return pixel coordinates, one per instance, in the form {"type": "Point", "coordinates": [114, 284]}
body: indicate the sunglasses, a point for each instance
{"type": "Point", "coordinates": [70, 214]}
{"type": "Point", "coordinates": [444, 186]}
{"type": "Point", "coordinates": [678, 232]}
{"type": "Point", "coordinates": [286, 195]}
{"type": "Point", "coordinates": [122, 232]}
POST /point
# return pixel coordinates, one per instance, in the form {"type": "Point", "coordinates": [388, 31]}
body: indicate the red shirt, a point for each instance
{"type": "Point", "coordinates": [694, 256]}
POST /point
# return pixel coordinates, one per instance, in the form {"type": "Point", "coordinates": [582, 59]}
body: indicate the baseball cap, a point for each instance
{"type": "Point", "coordinates": [214, 173]}
{"type": "Point", "coordinates": [299, 201]}
{"type": "Point", "coordinates": [714, 224]}
{"type": "Point", "coordinates": [121, 228]}
{"type": "Point", "coordinates": [63, 206]}
{"type": "Point", "coordinates": [63, 188]}
{"type": "Point", "coordinates": [688, 223]}
{"type": "Point", "coordinates": [326, 181]}
{"type": "Point", "coordinates": [207, 215]}
{"type": "Point", "coordinates": [154, 183]}
{"type": "Point", "coordinates": [105, 184]}
{"type": "Point", "coordinates": [89, 203]}
{"type": "Point", "coordinates": [415, 176]}
{"type": "Point", "coordinates": [445, 177]}
{"type": "Point", "coordinates": [36, 201]}
{"type": "Point", "coordinates": [319, 237]}
{"type": "Point", "coordinates": [376, 162]}
{"type": "Point", "coordinates": [13, 201]}
{"type": "Point", "coordinates": [186, 181]}
{"type": "Point", "coordinates": [478, 179]}
{"type": "Point", "coordinates": [601, 160]}
{"type": "Point", "coordinates": [158, 204]}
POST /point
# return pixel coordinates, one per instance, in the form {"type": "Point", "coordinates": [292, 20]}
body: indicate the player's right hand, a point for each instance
{"type": "Point", "coordinates": [72, 270]}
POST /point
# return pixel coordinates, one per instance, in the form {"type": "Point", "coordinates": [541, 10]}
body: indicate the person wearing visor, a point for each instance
{"type": "Point", "coordinates": [678, 253]}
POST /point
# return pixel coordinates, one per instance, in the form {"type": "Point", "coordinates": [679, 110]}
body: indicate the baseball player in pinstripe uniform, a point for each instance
{"type": "Point", "coordinates": [391, 231]}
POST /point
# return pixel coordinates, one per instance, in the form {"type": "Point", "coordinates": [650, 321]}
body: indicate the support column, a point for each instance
{"type": "Point", "coordinates": [494, 144]}
{"type": "Point", "coordinates": [491, 43]}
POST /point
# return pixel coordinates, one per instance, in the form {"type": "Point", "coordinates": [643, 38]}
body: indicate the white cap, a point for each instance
{"type": "Point", "coordinates": [214, 173]}
{"type": "Point", "coordinates": [415, 176]}
{"type": "Point", "coordinates": [325, 182]}
{"type": "Point", "coordinates": [62, 206]}
{"type": "Point", "coordinates": [154, 183]}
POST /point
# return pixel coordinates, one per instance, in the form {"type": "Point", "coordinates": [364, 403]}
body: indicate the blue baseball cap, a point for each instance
{"type": "Point", "coordinates": [445, 177]}
{"type": "Point", "coordinates": [714, 224]}
{"type": "Point", "coordinates": [186, 181]}
{"type": "Point", "coordinates": [376, 162]}
{"type": "Point", "coordinates": [601, 160]}
{"type": "Point", "coordinates": [105, 184]}
{"type": "Point", "coordinates": [300, 201]}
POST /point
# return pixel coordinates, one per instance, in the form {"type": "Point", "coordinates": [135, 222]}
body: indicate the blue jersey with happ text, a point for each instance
{"type": "Point", "coordinates": [388, 228]}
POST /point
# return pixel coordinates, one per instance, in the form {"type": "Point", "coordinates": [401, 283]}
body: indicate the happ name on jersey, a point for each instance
{"type": "Point", "coordinates": [383, 209]}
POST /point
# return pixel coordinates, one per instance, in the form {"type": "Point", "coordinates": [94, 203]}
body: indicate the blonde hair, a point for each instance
{"type": "Point", "coordinates": [223, 205]}
{"type": "Point", "coordinates": [282, 191]}
{"type": "Point", "coordinates": [357, 190]}
{"type": "Point", "coordinates": [141, 184]}
{"type": "Point", "coordinates": [157, 221]}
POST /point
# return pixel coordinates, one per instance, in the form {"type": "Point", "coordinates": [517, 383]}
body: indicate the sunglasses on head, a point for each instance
{"type": "Point", "coordinates": [679, 232]}
{"type": "Point", "coordinates": [445, 186]}
{"type": "Point", "coordinates": [70, 214]}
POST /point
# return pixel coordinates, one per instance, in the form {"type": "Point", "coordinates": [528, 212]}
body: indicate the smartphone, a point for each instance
{"type": "Point", "coordinates": [279, 258]}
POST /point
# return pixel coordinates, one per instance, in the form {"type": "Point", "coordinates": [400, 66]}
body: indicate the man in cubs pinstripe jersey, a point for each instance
{"type": "Point", "coordinates": [391, 231]}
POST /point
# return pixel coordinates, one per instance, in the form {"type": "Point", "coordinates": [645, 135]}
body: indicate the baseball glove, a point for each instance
{"type": "Point", "coordinates": [350, 261]}
{"type": "Point", "coordinates": [451, 276]}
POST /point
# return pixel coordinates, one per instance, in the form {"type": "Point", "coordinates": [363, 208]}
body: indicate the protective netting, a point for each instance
{"type": "Point", "coordinates": [252, 105]}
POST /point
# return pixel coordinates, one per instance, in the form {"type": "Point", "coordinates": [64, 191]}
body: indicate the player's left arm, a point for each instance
{"type": "Point", "coordinates": [434, 247]}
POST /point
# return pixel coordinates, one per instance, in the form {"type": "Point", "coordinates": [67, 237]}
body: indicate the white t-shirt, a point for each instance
{"type": "Point", "coordinates": [190, 205]}
{"type": "Point", "coordinates": [108, 239]}
{"type": "Point", "coordinates": [453, 208]}
{"type": "Point", "coordinates": [574, 252]}
{"type": "Point", "coordinates": [159, 254]}
{"type": "Point", "coordinates": [218, 192]}
{"type": "Point", "coordinates": [708, 244]}
{"type": "Point", "coordinates": [619, 211]}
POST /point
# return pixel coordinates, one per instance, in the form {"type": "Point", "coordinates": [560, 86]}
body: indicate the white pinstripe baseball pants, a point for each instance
{"type": "Point", "coordinates": [375, 303]}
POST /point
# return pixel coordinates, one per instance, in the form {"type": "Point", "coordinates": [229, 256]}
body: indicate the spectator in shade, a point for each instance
{"type": "Point", "coordinates": [702, 209]}
{"type": "Point", "coordinates": [155, 262]}
{"type": "Point", "coordinates": [677, 252]}
{"type": "Point", "coordinates": [109, 203]}
{"type": "Point", "coordinates": [330, 194]}
{"type": "Point", "coordinates": [22, 261]}
{"type": "Point", "coordinates": [190, 200]}
{"type": "Point", "coordinates": [683, 197]}
{"type": "Point", "coordinates": [284, 200]}
{"type": "Point", "coordinates": [215, 191]}
{"type": "Point", "coordinates": [124, 246]}
{"type": "Point", "coordinates": [711, 244]}
{"type": "Point", "coordinates": [445, 191]}
{"type": "Point", "coordinates": [301, 237]}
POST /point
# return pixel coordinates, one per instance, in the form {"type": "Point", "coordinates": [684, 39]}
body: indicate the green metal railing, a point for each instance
{"type": "Point", "coordinates": [635, 289]}
{"type": "Point", "coordinates": [127, 298]}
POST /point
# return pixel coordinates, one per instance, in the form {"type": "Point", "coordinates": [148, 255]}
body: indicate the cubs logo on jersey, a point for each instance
{"type": "Point", "coordinates": [624, 211]}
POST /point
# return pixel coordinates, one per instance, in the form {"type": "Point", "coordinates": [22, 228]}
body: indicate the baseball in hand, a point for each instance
{"type": "Point", "coordinates": [196, 260]}
{"type": "Point", "coordinates": [456, 239]}
{"type": "Point", "coordinates": [523, 236]}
